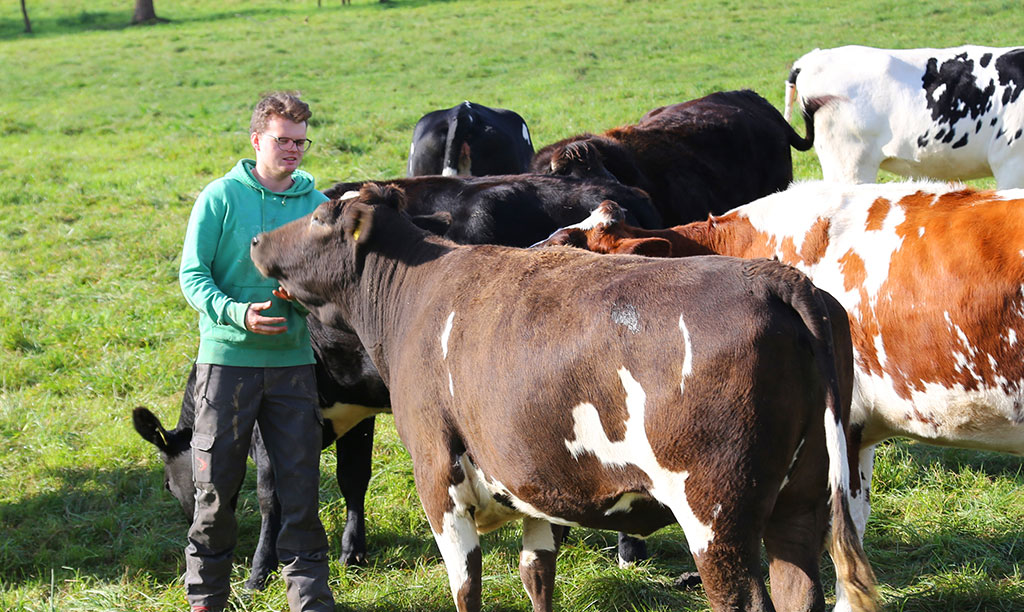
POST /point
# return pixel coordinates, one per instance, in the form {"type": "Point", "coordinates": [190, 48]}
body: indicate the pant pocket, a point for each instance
{"type": "Point", "coordinates": [202, 457]}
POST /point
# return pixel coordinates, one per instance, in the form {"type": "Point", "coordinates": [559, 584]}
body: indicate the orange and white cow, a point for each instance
{"type": "Point", "coordinates": [932, 277]}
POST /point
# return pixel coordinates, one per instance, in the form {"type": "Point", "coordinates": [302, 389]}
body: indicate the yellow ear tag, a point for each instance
{"type": "Point", "coordinates": [355, 234]}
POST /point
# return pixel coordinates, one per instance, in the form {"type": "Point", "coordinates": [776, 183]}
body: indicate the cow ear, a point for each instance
{"type": "Point", "coordinates": [150, 428]}
{"type": "Point", "coordinates": [436, 223]}
{"type": "Point", "coordinates": [648, 247]}
{"type": "Point", "coordinates": [356, 222]}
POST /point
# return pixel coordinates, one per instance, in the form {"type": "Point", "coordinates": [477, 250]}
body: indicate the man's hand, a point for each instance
{"type": "Point", "coordinates": [259, 324]}
{"type": "Point", "coordinates": [283, 294]}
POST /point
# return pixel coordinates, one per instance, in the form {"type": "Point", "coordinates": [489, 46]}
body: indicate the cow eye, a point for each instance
{"type": "Point", "coordinates": [316, 221]}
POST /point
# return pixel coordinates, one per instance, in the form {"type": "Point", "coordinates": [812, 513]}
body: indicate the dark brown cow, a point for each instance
{"type": "Point", "coordinates": [931, 277]}
{"type": "Point", "coordinates": [694, 158]}
{"type": "Point", "coordinates": [565, 388]}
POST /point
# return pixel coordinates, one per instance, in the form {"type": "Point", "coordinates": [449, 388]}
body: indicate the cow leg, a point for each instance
{"type": "Point", "coordinates": [355, 451]}
{"type": "Point", "coordinates": [1009, 173]}
{"type": "Point", "coordinates": [448, 496]}
{"type": "Point", "coordinates": [537, 561]}
{"type": "Point", "coordinates": [264, 559]}
{"type": "Point", "coordinates": [860, 509]}
{"type": "Point", "coordinates": [793, 539]}
{"type": "Point", "coordinates": [729, 559]}
{"type": "Point", "coordinates": [631, 550]}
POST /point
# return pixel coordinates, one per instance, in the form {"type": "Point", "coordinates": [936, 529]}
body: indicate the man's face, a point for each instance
{"type": "Point", "coordinates": [274, 159]}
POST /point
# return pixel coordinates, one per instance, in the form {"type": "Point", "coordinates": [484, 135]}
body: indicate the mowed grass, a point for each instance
{"type": "Point", "coordinates": [108, 132]}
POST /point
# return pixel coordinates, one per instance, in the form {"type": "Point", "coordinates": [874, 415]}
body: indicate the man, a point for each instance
{"type": "Point", "coordinates": [254, 365]}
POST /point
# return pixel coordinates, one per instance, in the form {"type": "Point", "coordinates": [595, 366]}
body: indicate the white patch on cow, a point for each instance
{"type": "Point", "coordinates": [687, 355]}
{"type": "Point", "coordinates": [792, 462]}
{"type": "Point", "coordinates": [412, 149]}
{"type": "Point", "coordinates": [835, 442]}
{"type": "Point", "coordinates": [445, 334]}
{"type": "Point", "coordinates": [457, 539]}
{"type": "Point", "coordinates": [344, 417]}
{"type": "Point", "coordinates": [537, 536]}
{"type": "Point", "coordinates": [1011, 337]}
{"type": "Point", "coordinates": [348, 195]}
{"type": "Point", "coordinates": [449, 171]}
{"type": "Point", "coordinates": [597, 218]}
{"type": "Point", "coordinates": [526, 135]}
{"type": "Point", "coordinates": [480, 492]}
{"type": "Point", "coordinates": [635, 449]}
{"type": "Point", "coordinates": [920, 232]}
{"type": "Point", "coordinates": [624, 503]}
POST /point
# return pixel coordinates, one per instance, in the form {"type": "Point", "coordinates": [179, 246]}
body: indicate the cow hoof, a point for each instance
{"type": "Point", "coordinates": [358, 558]}
{"type": "Point", "coordinates": [687, 581]}
{"type": "Point", "coordinates": [256, 583]}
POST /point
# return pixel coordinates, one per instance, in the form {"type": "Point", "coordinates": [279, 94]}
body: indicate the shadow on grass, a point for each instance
{"type": "Point", "coordinates": [106, 523]}
{"type": "Point", "coordinates": [91, 21]}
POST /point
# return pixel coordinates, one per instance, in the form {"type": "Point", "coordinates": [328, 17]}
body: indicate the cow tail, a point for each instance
{"type": "Point", "coordinates": [458, 128]}
{"type": "Point", "coordinates": [787, 112]}
{"type": "Point", "coordinates": [807, 110]}
{"type": "Point", "coordinates": [853, 570]}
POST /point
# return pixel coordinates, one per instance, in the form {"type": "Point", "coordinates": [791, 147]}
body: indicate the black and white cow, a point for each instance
{"type": "Point", "coordinates": [949, 114]}
{"type": "Point", "coordinates": [470, 139]}
{"type": "Point", "coordinates": [564, 388]}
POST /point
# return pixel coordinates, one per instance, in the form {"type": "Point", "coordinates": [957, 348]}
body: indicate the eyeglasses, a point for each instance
{"type": "Point", "coordinates": [285, 144]}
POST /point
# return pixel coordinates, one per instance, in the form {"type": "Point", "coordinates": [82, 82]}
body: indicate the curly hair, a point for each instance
{"type": "Point", "coordinates": [281, 103]}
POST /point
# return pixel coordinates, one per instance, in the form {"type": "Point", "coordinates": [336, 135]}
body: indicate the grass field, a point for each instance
{"type": "Point", "coordinates": [107, 134]}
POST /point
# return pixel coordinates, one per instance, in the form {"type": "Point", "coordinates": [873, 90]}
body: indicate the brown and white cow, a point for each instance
{"type": "Point", "coordinates": [932, 277]}
{"type": "Point", "coordinates": [564, 388]}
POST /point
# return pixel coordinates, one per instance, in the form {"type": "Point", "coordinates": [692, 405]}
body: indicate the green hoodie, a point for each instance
{"type": "Point", "coordinates": [220, 281]}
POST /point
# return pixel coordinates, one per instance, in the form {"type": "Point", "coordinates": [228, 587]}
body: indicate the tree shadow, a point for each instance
{"type": "Point", "coordinates": [49, 26]}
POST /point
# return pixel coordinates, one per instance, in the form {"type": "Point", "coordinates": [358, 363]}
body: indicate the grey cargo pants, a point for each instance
{"type": "Point", "coordinates": [229, 402]}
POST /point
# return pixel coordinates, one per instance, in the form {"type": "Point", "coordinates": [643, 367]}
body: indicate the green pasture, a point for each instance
{"type": "Point", "coordinates": [107, 134]}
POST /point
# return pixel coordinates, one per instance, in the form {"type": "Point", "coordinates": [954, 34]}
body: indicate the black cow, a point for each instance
{"type": "Point", "coordinates": [349, 390]}
{"type": "Point", "coordinates": [696, 158]}
{"type": "Point", "coordinates": [514, 210]}
{"type": "Point", "coordinates": [470, 139]}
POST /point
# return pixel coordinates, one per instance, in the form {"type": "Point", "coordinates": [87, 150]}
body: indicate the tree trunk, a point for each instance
{"type": "Point", "coordinates": [144, 12]}
{"type": "Point", "coordinates": [24, 13]}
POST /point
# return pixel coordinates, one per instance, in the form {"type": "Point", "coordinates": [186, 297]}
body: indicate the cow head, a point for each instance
{"type": "Point", "coordinates": [605, 231]}
{"type": "Point", "coordinates": [319, 259]}
{"type": "Point", "coordinates": [175, 450]}
{"type": "Point", "coordinates": [581, 159]}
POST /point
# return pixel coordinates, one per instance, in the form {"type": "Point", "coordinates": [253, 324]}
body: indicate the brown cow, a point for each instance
{"type": "Point", "coordinates": [694, 158]}
{"type": "Point", "coordinates": [931, 276]}
{"type": "Point", "coordinates": [620, 393]}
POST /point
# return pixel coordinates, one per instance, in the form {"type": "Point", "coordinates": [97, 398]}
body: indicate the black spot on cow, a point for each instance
{"type": "Point", "coordinates": [940, 134]}
{"type": "Point", "coordinates": [504, 500]}
{"type": "Point", "coordinates": [922, 141]}
{"type": "Point", "coordinates": [995, 120]}
{"type": "Point", "coordinates": [1017, 135]}
{"type": "Point", "coordinates": [949, 137]}
{"type": "Point", "coordinates": [952, 92]}
{"type": "Point", "coordinates": [985, 59]}
{"type": "Point", "coordinates": [977, 128]}
{"type": "Point", "coordinates": [961, 142]}
{"type": "Point", "coordinates": [1010, 67]}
